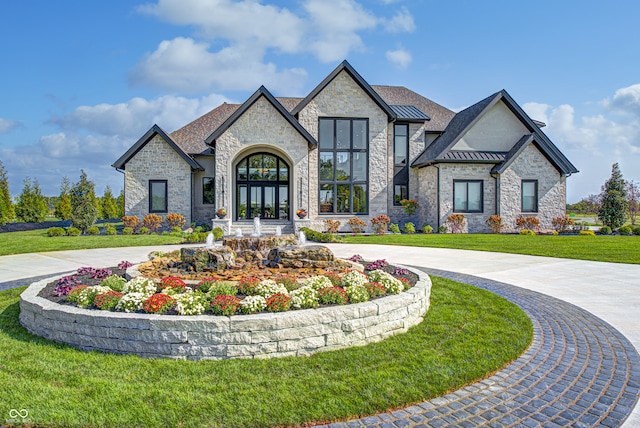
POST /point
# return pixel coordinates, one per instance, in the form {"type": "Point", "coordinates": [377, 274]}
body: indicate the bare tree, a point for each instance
{"type": "Point", "coordinates": [633, 197]}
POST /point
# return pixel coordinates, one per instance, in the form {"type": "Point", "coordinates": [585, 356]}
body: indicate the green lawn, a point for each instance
{"type": "Point", "coordinates": [617, 249]}
{"type": "Point", "coordinates": [467, 334]}
{"type": "Point", "coordinates": [37, 240]}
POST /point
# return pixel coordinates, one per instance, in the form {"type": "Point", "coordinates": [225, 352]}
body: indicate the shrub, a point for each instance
{"type": "Point", "coordinates": [636, 230]}
{"type": "Point", "coordinates": [318, 236]}
{"type": "Point", "coordinates": [131, 302]}
{"type": "Point", "coordinates": [174, 220]}
{"type": "Point", "coordinates": [205, 284]}
{"type": "Point", "coordinates": [140, 285]}
{"type": "Point", "coordinates": [495, 223]}
{"type": "Point", "coordinates": [356, 225]}
{"type": "Point", "coordinates": [131, 221]}
{"type": "Point", "coordinates": [410, 206]}
{"type": "Point", "coordinates": [217, 233]}
{"type": "Point", "coordinates": [144, 230]}
{"type": "Point", "coordinates": [443, 229]}
{"type": "Point", "coordinates": [427, 229]}
{"type": "Point", "coordinates": [527, 232]}
{"type": "Point", "coordinates": [562, 223]}
{"type": "Point", "coordinates": [158, 303]}
{"type": "Point", "coordinates": [191, 303]}
{"type": "Point", "coordinates": [152, 222]}
{"type": "Point", "coordinates": [252, 304]}
{"type": "Point", "coordinates": [225, 305]}
{"type": "Point", "coordinates": [317, 282]}
{"type": "Point", "coordinates": [107, 301]}
{"type": "Point", "coordinates": [268, 287]}
{"type": "Point", "coordinates": [127, 231]}
{"type": "Point", "coordinates": [394, 228]}
{"type": "Point", "coordinates": [93, 230]}
{"type": "Point", "coordinates": [222, 288]}
{"type": "Point", "coordinates": [55, 231]}
{"type": "Point", "coordinates": [289, 282]}
{"type": "Point", "coordinates": [409, 228]}
{"type": "Point", "coordinates": [332, 226]}
{"type": "Point", "coordinates": [625, 230]}
{"type": "Point", "coordinates": [304, 298]}
{"type": "Point", "coordinates": [248, 284]}
{"type": "Point", "coordinates": [110, 229]}
{"type": "Point", "coordinates": [176, 231]}
{"type": "Point", "coordinates": [375, 289]}
{"type": "Point", "coordinates": [357, 293]}
{"type": "Point", "coordinates": [380, 224]}
{"type": "Point", "coordinates": [114, 282]}
{"type": "Point", "coordinates": [531, 223]}
{"type": "Point", "coordinates": [195, 237]}
{"type": "Point", "coordinates": [587, 233]}
{"type": "Point", "coordinates": [73, 231]}
{"type": "Point", "coordinates": [605, 230]}
{"type": "Point", "coordinates": [456, 223]}
{"type": "Point", "coordinates": [332, 295]}
{"type": "Point", "coordinates": [278, 303]}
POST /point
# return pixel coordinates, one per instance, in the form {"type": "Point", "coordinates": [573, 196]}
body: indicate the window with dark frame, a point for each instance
{"type": "Point", "coordinates": [343, 164]}
{"type": "Point", "coordinates": [400, 163]}
{"type": "Point", "coordinates": [529, 196]}
{"type": "Point", "coordinates": [158, 196]}
{"type": "Point", "coordinates": [468, 196]}
{"type": "Point", "coordinates": [208, 191]}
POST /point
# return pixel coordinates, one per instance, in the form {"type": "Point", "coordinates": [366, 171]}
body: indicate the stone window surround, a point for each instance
{"type": "Point", "coordinates": [457, 210]}
{"type": "Point", "coordinates": [535, 194]}
{"type": "Point", "coordinates": [351, 150]}
{"type": "Point", "coordinates": [166, 196]}
{"type": "Point", "coordinates": [403, 166]}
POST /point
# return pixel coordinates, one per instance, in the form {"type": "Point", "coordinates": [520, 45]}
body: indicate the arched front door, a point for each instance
{"type": "Point", "coordinates": [262, 183]}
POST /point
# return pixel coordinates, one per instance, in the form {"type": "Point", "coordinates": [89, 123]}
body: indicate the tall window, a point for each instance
{"type": "Point", "coordinates": [401, 163]}
{"type": "Point", "coordinates": [262, 187]}
{"type": "Point", "coordinates": [529, 196]}
{"type": "Point", "coordinates": [158, 196]}
{"type": "Point", "coordinates": [343, 165]}
{"type": "Point", "coordinates": [467, 196]}
{"type": "Point", "coordinates": [208, 191]}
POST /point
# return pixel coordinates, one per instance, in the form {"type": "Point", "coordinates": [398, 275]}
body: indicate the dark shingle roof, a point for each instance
{"type": "Point", "coordinates": [409, 113]}
{"type": "Point", "coordinates": [399, 95]}
{"type": "Point", "coordinates": [191, 136]}
{"type": "Point", "coordinates": [474, 156]}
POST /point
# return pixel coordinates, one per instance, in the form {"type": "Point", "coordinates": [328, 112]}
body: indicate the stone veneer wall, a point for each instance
{"type": "Point", "coordinates": [552, 199]}
{"type": "Point", "coordinates": [301, 332]}
{"type": "Point", "coordinates": [157, 161]}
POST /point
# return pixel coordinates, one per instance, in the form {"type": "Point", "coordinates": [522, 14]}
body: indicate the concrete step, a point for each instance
{"type": "Point", "coordinates": [268, 228]}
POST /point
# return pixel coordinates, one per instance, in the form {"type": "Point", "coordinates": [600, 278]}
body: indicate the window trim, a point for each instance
{"type": "Point", "coordinates": [535, 200]}
{"type": "Point", "coordinates": [213, 180]}
{"type": "Point", "coordinates": [166, 196]}
{"type": "Point", "coordinates": [481, 210]}
{"type": "Point", "coordinates": [351, 182]}
{"type": "Point", "coordinates": [404, 167]}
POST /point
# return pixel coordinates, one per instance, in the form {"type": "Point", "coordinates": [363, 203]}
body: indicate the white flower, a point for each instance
{"type": "Point", "coordinates": [131, 302]}
{"type": "Point", "coordinates": [392, 284]}
{"type": "Point", "coordinates": [354, 278]}
{"type": "Point", "coordinates": [86, 295]}
{"type": "Point", "coordinates": [268, 287]}
{"type": "Point", "coordinates": [251, 304]}
{"type": "Point", "coordinates": [357, 293]}
{"type": "Point", "coordinates": [191, 303]}
{"type": "Point", "coordinates": [304, 297]}
{"type": "Point", "coordinates": [317, 282]}
{"type": "Point", "coordinates": [140, 284]}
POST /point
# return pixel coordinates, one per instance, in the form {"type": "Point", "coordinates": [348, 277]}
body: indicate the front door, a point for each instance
{"type": "Point", "coordinates": [262, 183]}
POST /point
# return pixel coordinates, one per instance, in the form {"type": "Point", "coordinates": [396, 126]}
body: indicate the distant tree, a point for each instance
{"type": "Point", "coordinates": [31, 206]}
{"type": "Point", "coordinates": [633, 198]}
{"type": "Point", "coordinates": [83, 203]}
{"type": "Point", "coordinates": [7, 214]}
{"type": "Point", "coordinates": [109, 204]}
{"type": "Point", "coordinates": [593, 203]}
{"type": "Point", "coordinates": [63, 207]}
{"type": "Point", "coordinates": [613, 209]}
{"type": "Point", "coordinates": [120, 204]}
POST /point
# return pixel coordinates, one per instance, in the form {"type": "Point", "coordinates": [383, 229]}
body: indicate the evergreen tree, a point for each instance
{"type": "Point", "coordinates": [613, 208]}
{"type": "Point", "coordinates": [63, 207]}
{"type": "Point", "coordinates": [109, 204]}
{"type": "Point", "coordinates": [633, 197]}
{"type": "Point", "coordinates": [120, 205]}
{"type": "Point", "coordinates": [83, 203]}
{"type": "Point", "coordinates": [7, 213]}
{"type": "Point", "coordinates": [32, 205]}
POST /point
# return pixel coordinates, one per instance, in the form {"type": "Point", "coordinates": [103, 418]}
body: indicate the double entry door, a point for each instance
{"type": "Point", "coordinates": [262, 182]}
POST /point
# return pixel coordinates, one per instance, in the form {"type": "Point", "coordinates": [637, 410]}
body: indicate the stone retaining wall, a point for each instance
{"type": "Point", "coordinates": [264, 335]}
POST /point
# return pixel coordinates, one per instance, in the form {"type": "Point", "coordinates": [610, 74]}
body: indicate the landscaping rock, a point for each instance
{"type": "Point", "coordinates": [201, 259]}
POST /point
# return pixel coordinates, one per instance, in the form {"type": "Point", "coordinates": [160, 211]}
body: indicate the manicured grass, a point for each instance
{"type": "Point", "coordinates": [467, 334]}
{"type": "Point", "coordinates": [616, 249]}
{"type": "Point", "coordinates": [37, 240]}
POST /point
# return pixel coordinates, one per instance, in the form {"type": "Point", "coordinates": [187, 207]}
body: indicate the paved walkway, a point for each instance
{"type": "Point", "coordinates": [579, 371]}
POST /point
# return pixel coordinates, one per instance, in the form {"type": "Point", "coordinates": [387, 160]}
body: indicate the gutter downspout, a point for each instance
{"type": "Point", "coordinates": [438, 195]}
{"type": "Point", "coordinates": [497, 192]}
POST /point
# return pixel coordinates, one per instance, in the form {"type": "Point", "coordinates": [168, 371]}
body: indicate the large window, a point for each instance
{"type": "Point", "coordinates": [343, 166]}
{"type": "Point", "coordinates": [467, 196]}
{"type": "Point", "coordinates": [262, 187]}
{"type": "Point", "coordinates": [158, 196]}
{"type": "Point", "coordinates": [529, 196]}
{"type": "Point", "coordinates": [208, 191]}
{"type": "Point", "coordinates": [400, 163]}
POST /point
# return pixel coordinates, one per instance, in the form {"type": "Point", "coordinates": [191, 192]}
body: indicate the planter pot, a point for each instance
{"type": "Point", "coordinates": [221, 216]}
{"type": "Point", "coordinates": [301, 216]}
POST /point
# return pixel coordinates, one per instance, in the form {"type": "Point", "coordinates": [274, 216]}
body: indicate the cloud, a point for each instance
{"type": "Point", "coordinates": [400, 57]}
{"type": "Point", "coordinates": [626, 100]}
{"type": "Point", "coordinates": [132, 118]}
{"type": "Point", "coordinates": [7, 125]}
{"type": "Point", "coordinates": [402, 22]}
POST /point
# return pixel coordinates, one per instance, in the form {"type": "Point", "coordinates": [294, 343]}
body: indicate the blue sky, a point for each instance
{"type": "Point", "coordinates": [81, 81]}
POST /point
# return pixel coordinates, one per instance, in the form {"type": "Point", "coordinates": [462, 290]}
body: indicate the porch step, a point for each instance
{"type": "Point", "coordinates": [268, 228]}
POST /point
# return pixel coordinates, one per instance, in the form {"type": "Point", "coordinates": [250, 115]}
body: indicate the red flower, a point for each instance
{"type": "Point", "coordinates": [247, 284]}
{"type": "Point", "coordinates": [278, 303]}
{"type": "Point", "coordinates": [158, 303]}
{"type": "Point", "coordinates": [225, 305]}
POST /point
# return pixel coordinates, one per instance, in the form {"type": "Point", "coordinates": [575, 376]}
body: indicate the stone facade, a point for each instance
{"type": "Point", "coordinates": [264, 335]}
{"type": "Point", "coordinates": [202, 213]}
{"type": "Point", "coordinates": [157, 160]}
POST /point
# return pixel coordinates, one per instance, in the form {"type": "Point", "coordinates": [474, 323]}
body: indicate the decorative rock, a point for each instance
{"type": "Point", "coordinates": [316, 256]}
{"type": "Point", "coordinates": [254, 245]}
{"type": "Point", "coordinates": [202, 259]}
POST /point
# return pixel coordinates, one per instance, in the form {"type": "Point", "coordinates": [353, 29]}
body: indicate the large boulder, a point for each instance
{"type": "Point", "coordinates": [202, 259]}
{"type": "Point", "coordinates": [316, 256]}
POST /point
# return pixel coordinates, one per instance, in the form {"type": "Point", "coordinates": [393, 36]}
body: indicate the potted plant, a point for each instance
{"type": "Point", "coordinates": [301, 213]}
{"type": "Point", "coordinates": [221, 213]}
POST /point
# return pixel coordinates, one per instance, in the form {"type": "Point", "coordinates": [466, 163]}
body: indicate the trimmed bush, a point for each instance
{"type": "Point", "coordinates": [55, 231]}
{"type": "Point", "coordinates": [316, 236]}
{"type": "Point", "coordinates": [605, 230]}
{"type": "Point", "coordinates": [110, 229]}
{"type": "Point", "coordinates": [174, 220]}
{"type": "Point", "coordinates": [636, 230]}
{"type": "Point", "coordinates": [73, 231]}
{"type": "Point", "coordinates": [527, 232]}
{"type": "Point", "coordinates": [152, 222]}
{"type": "Point", "coordinates": [127, 231]}
{"type": "Point", "coordinates": [427, 229]}
{"type": "Point", "coordinates": [495, 223]}
{"type": "Point", "coordinates": [625, 230]}
{"type": "Point", "coordinates": [145, 231]}
{"type": "Point", "coordinates": [217, 233]}
{"type": "Point", "coordinates": [93, 230]}
{"type": "Point", "coordinates": [587, 233]}
{"type": "Point", "coordinates": [394, 228]}
{"type": "Point", "coordinates": [356, 225]}
{"type": "Point", "coordinates": [332, 226]}
{"type": "Point", "coordinates": [409, 228]}
{"type": "Point", "coordinates": [456, 223]}
{"type": "Point", "coordinates": [131, 221]}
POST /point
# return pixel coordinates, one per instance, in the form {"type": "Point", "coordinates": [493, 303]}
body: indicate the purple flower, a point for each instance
{"type": "Point", "coordinates": [86, 270]}
{"type": "Point", "coordinates": [124, 265]}
{"type": "Point", "coordinates": [65, 284]}
{"type": "Point", "coordinates": [400, 271]}
{"type": "Point", "coordinates": [378, 264]}
{"type": "Point", "coordinates": [356, 258]}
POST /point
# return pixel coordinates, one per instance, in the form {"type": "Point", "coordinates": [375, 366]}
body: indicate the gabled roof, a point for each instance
{"type": "Point", "coordinates": [261, 92]}
{"type": "Point", "coordinates": [155, 130]}
{"type": "Point", "coordinates": [345, 66]}
{"type": "Point", "coordinates": [191, 136]}
{"type": "Point", "coordinates": [409, 113]}
{"type": "Point", "coordinates": [464, 121]}
{"type": "Point", "coordinates": [474, 156]}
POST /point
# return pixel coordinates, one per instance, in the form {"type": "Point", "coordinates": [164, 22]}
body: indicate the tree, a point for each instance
{"type": "Point", "coordinates": [120, 205]}
{"type": "Point", "coordinates": [7, 214]}
{"type": "Point", "coordinates": [63, 207]}
{"type": "Point", "coordinates": [32, 205]}
{"type": "Point", "coordinates": [613, 208]}
{"type": "Point", "coordinates": [84, 211]}
{"type": "Point", "coordinates": [633, 198]}
{"type": "Point", "coordinates": [109, 204]}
